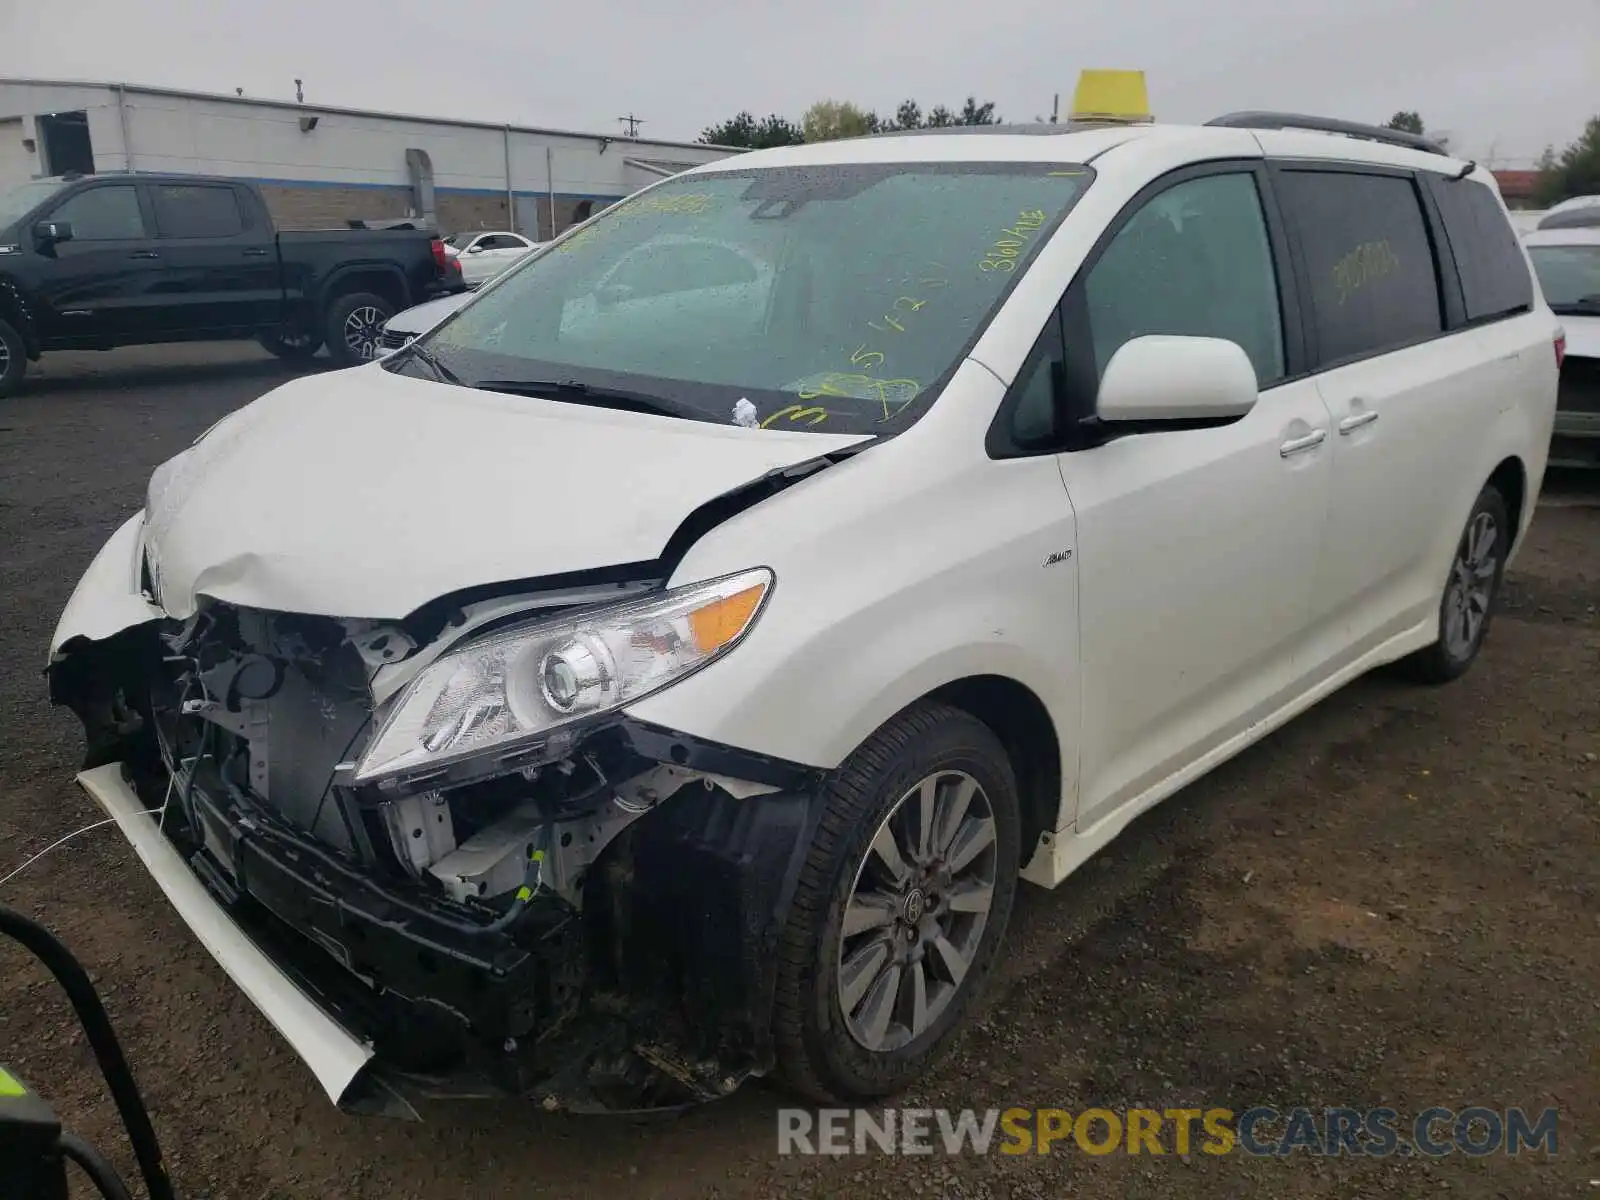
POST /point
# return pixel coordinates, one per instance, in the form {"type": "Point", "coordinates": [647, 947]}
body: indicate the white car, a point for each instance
{"type": "Point", "coordinates": [418, 319]}
{"type": "Point", "coordinates": [485, 254]}
{"type": "Point", "coordinates": [1567, 261]}
{"type": "Point", "coordinates": [638, 684]}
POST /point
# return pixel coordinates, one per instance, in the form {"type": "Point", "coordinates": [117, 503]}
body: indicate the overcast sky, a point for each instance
{"type": "Point", "coordinates": [1502, 78]}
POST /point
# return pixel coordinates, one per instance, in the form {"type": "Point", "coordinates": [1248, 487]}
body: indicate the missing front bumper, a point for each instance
{"type": "Point", "coordinates": [681, 933]}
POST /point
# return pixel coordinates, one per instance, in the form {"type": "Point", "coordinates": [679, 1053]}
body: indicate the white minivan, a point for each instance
{"type": "Point", "coordinates": [663, 670]}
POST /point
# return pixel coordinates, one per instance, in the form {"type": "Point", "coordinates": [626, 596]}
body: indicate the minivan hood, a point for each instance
{"type": "Point", "coordinates": [423, 317]}
{"type": "Point", "coordinates": [362, 493]}
{"type": "Point", "coordinates": [1583, 335]}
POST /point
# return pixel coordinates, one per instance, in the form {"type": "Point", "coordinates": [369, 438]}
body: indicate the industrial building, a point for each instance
{"type": "Point", "coordinates": [319, 166]}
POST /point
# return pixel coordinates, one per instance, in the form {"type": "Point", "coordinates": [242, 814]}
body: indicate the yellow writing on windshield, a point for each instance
{"type": "Point", "coordinates": [1002, 255]}
{"type": "Point", "coordinates": [1368, 262]}
{"type": "Point", "coordinates": [797, 413]}
{"type": "Point", "coordinates": [891, 394]}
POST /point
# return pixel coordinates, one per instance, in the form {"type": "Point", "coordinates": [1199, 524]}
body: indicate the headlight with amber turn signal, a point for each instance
{"type": "Point", "coordinates": [519, 684]}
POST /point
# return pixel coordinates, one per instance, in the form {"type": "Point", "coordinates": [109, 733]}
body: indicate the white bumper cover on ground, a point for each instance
{"type": "Point", "coordinates": [335, 1057]}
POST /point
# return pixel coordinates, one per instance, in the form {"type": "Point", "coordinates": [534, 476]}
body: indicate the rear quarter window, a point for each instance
{"type": "Point", "coordinates": [1494, 275]}
{"type": "Point", "coordinates": [1369, 260]}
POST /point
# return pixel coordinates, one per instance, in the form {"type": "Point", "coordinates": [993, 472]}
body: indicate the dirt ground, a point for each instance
{"type": "Point", "coordinates": [1395, 901]}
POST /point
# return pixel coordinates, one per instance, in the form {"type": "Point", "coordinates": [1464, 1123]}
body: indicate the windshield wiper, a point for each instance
{"type": "Point", "coordinates": [430, 360]}
{"type": "Point", "coordinates": [1582, 306]}
{"type": "Point", "coordinates": [570, 391]}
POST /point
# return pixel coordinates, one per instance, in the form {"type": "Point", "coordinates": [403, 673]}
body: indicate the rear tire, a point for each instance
{"type": "Point", "coordinates": [291, 347]}
{"type": "Point", "coordinates": [1470, 592]}
{"type": "Point", "coordinates": [354, 327]}
{"type": "Point", "coordinates": [862, 1009]}
{"type": "Point", "coordinates": [13, 361]}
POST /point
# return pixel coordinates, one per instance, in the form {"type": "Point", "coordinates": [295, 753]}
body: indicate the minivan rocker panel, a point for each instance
{"type": "Point", "coordinates": [509, 738]}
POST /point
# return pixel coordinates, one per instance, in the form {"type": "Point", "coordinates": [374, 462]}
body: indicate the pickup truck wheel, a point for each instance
{"type": "Point", "coordinates": [355, 327]}
{"type": "Point", "coordinates": [13, 361]}
{"type": "Point", "coordinates": [293, 347]}
{"type": "Point", "coordinates": [1470, 592]}
{"type": "Point", "coordinates": [900, 907]}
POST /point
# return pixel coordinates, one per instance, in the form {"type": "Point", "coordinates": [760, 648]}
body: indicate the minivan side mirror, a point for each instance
{"type": "Point", "coordinates": [1162, 377]}
{"type": "Point", "coordinates": [48, 233]}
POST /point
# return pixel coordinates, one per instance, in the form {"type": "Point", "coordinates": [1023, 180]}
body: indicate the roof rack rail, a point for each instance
{"type": "Point", "coordinates": [1355, 129]}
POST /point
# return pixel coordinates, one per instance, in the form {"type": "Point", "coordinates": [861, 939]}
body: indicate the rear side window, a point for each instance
{"type": "Point", "coordinates": [1494, 276]}
{"type": "Point", "coordinates": [188, 211]}
{"type": "Point", "coordinates": [1372, 278]}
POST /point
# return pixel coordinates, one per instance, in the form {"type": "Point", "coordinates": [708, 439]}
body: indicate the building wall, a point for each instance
{"type": "Point", "coordinates": [16, 160]}
{"type": "Point", "coordinates": [351, 164]}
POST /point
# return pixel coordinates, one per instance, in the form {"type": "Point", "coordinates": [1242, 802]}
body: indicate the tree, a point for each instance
{"type": "Point", "coordinates": [1410, 122]}
{"type": "Point", "coordinates": [1574, 172]}
{"type": "Point", "coordinates": [829, 119]}
{"type": "Point", "coordinates": [744, 130]}
{"type": "Point", "coordinates": [973, 113]}
{"type": "Point", "coordinates": [907, 116]}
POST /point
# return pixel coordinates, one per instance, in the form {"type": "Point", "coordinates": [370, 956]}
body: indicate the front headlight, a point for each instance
{"type": "Point", "coordinates": [516, 686]}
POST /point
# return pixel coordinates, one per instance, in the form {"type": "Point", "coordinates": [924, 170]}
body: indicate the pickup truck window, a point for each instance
{"type": "Point", "coordinates": [194, 211]}
{"type": "Point", "coordinates": [108, 213]}
{"type": "Point", "coordinates": [15, 201]}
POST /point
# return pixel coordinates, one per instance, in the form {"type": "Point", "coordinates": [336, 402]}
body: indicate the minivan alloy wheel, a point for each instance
{"type": "Point", "coordinates": [1472, 580]}
{"type": "Point", "coordinates": [916, 914]}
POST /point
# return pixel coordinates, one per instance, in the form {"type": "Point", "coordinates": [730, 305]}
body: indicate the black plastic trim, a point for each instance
{"type": "Point", "coordinates": [714, 758]}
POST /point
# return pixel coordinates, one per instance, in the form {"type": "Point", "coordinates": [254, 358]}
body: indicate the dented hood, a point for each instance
{"type": "Point", "coordinates": [361, 493]}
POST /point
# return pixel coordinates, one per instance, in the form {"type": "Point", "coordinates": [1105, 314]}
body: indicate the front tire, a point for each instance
{"type": "Point", "coordinates": [13, 361]}
{"type": "Point", "coordinates": [1469, 594]}
{"type": "Point", "coordinates": [354, 327]}
{"type": "Point", "coordinates": [900, 908]}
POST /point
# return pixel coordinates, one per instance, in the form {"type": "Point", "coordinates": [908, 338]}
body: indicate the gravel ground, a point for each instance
{"type": "Point", "coordinates": [1393, 902]}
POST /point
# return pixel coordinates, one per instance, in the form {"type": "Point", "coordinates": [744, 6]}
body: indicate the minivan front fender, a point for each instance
{"type": "Point", "coordinates": [875, 610]}
{"type": "Point", "coordinates": [108, 599]}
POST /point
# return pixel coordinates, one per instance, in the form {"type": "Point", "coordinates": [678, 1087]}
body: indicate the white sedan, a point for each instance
{"type": "Point", "coordinates": [484, 254]}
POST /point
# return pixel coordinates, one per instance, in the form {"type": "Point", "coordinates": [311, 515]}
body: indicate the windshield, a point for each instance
{"type": "Point", "coordinates": [837, 299]}
{"type": "Point", "coordinates": [460, 240]}
{"type": "Point", "coordinates": [1568, 275]}
{"type": "Point", "coordinates": [19, 200]}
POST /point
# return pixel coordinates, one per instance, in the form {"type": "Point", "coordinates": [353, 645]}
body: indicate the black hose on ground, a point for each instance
{"type": "Point", "coordinates": [93, 1164]}
{"type": "Point", "coordinates": [74, 980]}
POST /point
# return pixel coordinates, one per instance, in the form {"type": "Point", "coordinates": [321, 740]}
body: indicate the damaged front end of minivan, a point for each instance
{"type": "Point", "coordinates": [436, 852]}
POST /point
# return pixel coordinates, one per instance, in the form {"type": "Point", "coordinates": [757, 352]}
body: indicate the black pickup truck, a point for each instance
{"type": "Point", "coordinates": [94, 262]}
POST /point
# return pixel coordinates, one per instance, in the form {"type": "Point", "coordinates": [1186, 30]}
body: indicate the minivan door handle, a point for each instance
{"type": "Point", "coordinates": [256, 252]}
{"type": "Point", "coordinates": [1357, 420]}
{"type": "Point", "coordinates": [1296, 445]}
{"type": "Point", "coordinates": [144, 254]}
